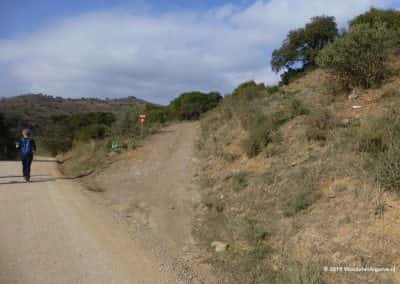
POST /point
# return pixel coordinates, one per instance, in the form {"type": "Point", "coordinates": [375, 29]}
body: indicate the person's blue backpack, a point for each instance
{"type": "Point", "coordinates": [26, 146]}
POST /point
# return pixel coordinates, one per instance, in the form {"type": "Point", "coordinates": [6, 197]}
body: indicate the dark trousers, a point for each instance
{"type": "Point", "coordinates": [26, 165]}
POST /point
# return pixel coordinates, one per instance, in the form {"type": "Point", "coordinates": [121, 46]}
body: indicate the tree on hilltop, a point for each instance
{"type": "Point", "coordinates": [301, 46]}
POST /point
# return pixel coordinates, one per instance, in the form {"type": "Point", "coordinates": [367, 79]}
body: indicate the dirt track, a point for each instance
{"type": "Point", "coordinates": [152, 191]}
{"type": "Point", "coordinates": [51, 232]}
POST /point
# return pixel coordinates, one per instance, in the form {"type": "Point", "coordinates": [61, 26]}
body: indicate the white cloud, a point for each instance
{"type": "Point", "coordinates": [157, 56]}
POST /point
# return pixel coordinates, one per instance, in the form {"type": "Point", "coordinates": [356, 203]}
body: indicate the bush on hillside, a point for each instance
{"type": "Point", "coordinates": [272, 89]}
{"type": "Point", "coordinates": [359, 58]}
{"type": "Point", "coordinates": [390, 17]}
{"type": "Point", "coordinates": [379, 138]}
{"type": "Point", "coordinates": [127, 123]}
{"type": "Point", "coordinates": [58, 139]}
{"type": "Point", "coordinates": [7, 147]}
{"type": "Point", "coordinates": [264, 129]}
{"type": "Point", "coordinates": [77, 121]}
{"type": "Point", "coordinates": [157, 114]}
{"type": "Point", "coordinates": [249, 90]}
{"type": "Point", "coordinates": [319, 123]}
{"type": "Point", "coordinates": [93, 131]}
{"type": "Point", "coordinates": [387, 168]}
{"type": "Point", "coordinates": [66, 129]}
{"type": "Point", "coordinates": [189, 106]}
{"type": "Point", "coordinates": [260, 135]}
{"type": "Point", "coordinates": [302, 45]}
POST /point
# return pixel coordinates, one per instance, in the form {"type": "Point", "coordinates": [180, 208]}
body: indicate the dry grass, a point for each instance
{"type": "Point", "coordinates": [313, 190]}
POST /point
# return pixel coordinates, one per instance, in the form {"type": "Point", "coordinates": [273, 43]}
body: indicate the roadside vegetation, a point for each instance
{"type": "Point", "coordinates": [298, 176]}
{"type": "Point", "coordinates": [87, 141]}
{"type": "Point", "coordinates": [7, 139]}
{"type": "Point", "coordinates": [86, 133]}
{"type": "Point", "coordinates": [301, 47]}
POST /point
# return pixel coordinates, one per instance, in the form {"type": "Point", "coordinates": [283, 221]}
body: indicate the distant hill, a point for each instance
{"type": "Point", "coordinates": [35, 110]}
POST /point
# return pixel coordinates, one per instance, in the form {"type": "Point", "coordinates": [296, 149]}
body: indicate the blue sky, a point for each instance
{"type": "Point", "coordinates": [24, 16]}
{"type": "Point", "coordinates": [150, 49]}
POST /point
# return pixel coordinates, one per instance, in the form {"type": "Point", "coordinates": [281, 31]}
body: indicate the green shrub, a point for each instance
{"type": "Point", "coordinates": [251, 231]}
{"type": "Point", "coordinates": [301, 201]}
{"type": "Point", "coordinates": [259, 251]}
{"type": "Point", "coordinates": [7, 139]}
{"type": "Point", "coordinates": [189, 106]}
{"type": "Point", "coordinates": [359, 58]}
{"type": "Point", "coordinates": [387, 168]}
{"type": "Point", "coordinates": [298, 108]}
{"type": "Point", "coordinates": [64, 130]}
{"type": "Point", "coordinates": [371, 137]}
{"type": "Point", "coordinates": [94, 131]}
{"type": "Point", "coordinates": [272, 89]}
{"type": "Point", "coordinates": [308, 274]}
{"type": "Point", "coordinates": [301, 46]}
{"type": "Point", "coordinates": [379, 138]}
{"type": "Point", "coordinates": [58, 139]}
{"type": "Point", "coordinates": [301, 188]}
{"type": "Point", "coordinates": [260, 135]}
{"type": "Point", "coordinates": [264, 129]}
{"type": "Point", "coordinates": [319, 123]}
{"type": "Point", "coordinates": [390, 17]}
{"type": "Point", "coordinates": [240, 181]}
{"type": "Point", "coordinates": [251, 147]}
{"type": "Point", "coordinates": [377, 134]}
{"type": "Point", "coordinates": [250, 90]}
{"type": "Point", "coordinates": [157, 114]}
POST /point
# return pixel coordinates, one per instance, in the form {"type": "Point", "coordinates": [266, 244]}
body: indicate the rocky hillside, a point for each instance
{"type": "Point", "coordinates": [301, 180]}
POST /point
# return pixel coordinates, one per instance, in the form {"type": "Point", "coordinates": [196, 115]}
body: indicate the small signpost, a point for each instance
{"type": "Point", "coordinates": [142, 117]}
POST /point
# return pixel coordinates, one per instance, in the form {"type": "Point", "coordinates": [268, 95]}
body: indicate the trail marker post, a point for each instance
{"type": "Point", "coordinates": [142, 117]}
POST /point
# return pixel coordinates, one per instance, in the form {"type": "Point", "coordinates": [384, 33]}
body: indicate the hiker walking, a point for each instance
{"type": "Point", "coordinates": [27, 147]}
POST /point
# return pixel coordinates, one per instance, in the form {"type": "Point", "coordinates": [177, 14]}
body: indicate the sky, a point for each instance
{"type": "Point", "coordinates": [151, 49]}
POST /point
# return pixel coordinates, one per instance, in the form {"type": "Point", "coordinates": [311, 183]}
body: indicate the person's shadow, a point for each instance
{"type": "Point", "coordinates": [46, 178]}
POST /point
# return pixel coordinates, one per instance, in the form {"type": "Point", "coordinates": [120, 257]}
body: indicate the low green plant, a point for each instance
{"type": "Point", "coordinates": [379, 208]}
{"type": "Point", "coordinates": [272, 89]}
{"type": "Point", "coordinates": [379, 139]}
{"type": "Point", "coordinates": [259, 138]}
{"type": "Point", "coordinates": [297, 274]}
{"type": "Point", "coordinates": [299, 202]}
{"type": "Point", "coordinates": [387, 168]}
{"type": "Point", "coordinates": [239, 181]}
{"type": "Point", "coordinates": [319, 123]}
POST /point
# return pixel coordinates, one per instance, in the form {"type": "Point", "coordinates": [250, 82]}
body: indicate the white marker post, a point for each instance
{"type": "Point", "coordinates": [142, 117]}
